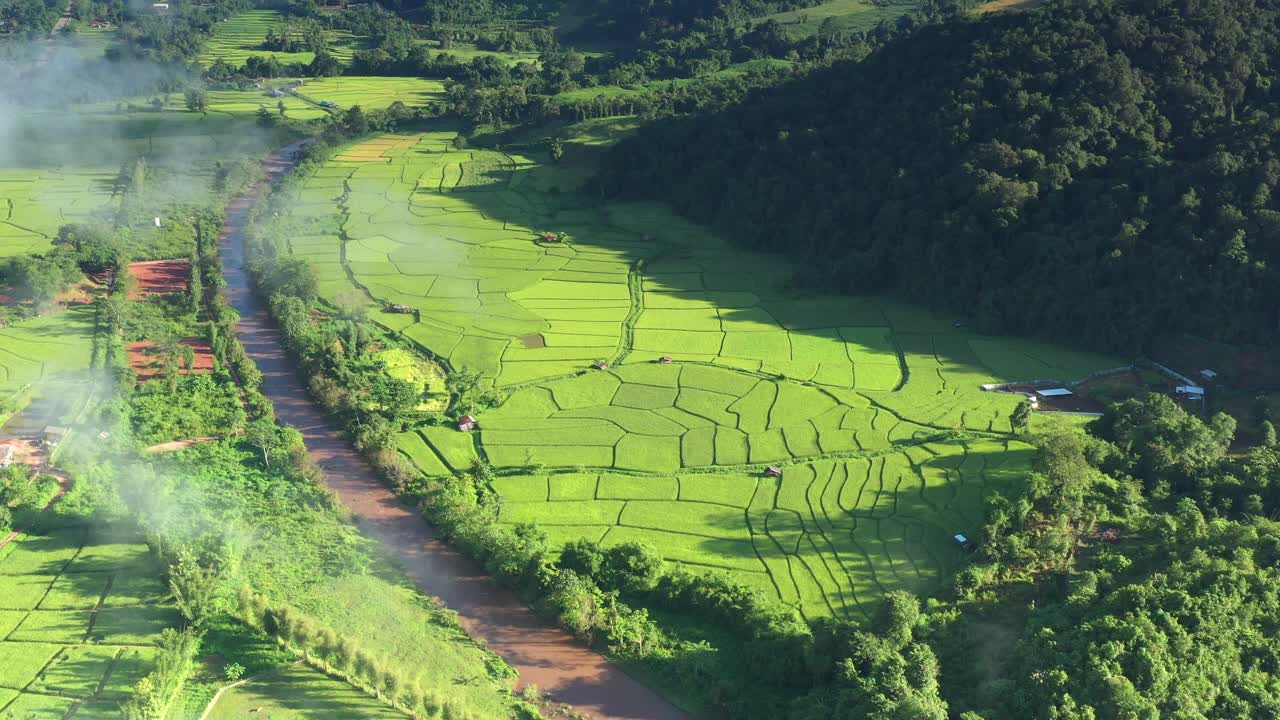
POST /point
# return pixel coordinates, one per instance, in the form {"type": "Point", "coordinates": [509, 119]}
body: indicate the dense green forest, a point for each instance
{"type": "Point", "coordinates": [1002, 164]}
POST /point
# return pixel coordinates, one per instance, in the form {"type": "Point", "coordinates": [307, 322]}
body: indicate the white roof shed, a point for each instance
{"type": "Point", "coordinates": [1054, 392]}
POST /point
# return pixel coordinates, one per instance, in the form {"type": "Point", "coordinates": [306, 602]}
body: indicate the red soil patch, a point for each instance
{"type": "Point", "coordinates": [159, 277]}
{"type": "Point", "coordinates": [177, 445]}
{"type": "Point", "coordinates": [146, 363]}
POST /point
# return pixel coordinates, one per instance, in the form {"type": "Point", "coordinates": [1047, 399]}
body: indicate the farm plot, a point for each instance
{"type": "Point", "coordinates": [652, 371]}
{"type": "Point", "coordinates": [159, 277]}
{"type": "Point", "coordinates": [373, 93]}
{"type": "Point", "coordinates": [35, 202]}
{"type": "Point", "coordinates": [660, 418]}
{"type": "Point", "coordinates": [235, 39]}
{"type": "Point", "coordinates": [828, 537]}
{"type": "Point", "coordinates": [45, 348]}
{"type": "Point", "coordinates": [80, 607]}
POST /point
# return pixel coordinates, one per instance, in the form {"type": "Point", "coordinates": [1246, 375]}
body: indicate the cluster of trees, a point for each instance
{"type": "Point", "coordinates": [997, 164]}
{"type": "Point", "coordinates": [19, 490]}
{"type": "Point", "coordinates": [297, 35]}
{"type": "Point", "coordinates": [152, 696]}
{"type": "Point", "coordinates": [1154, 569]}
{"type": "Point", "coordinates": [177, 38]}
{"type": "Point", "coordinates": [654, 76]}
{"type": "Point", "coordinates": [31, 18]}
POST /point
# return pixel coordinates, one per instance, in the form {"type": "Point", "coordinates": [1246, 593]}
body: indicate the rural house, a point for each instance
{"type": "Point", "coordinates": [466, 423]}
{"type": "Point", "coordinates": [773, 471]}
{"type": "Point", "coordinates": [53, 435]}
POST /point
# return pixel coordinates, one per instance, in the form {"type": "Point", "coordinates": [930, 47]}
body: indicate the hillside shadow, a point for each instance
{"type": "Point", "coordinates": [565, 196]}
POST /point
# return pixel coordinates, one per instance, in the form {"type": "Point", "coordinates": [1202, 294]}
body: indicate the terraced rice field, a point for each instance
{"type": "Point", "coordinates": [714, 370]}
{"type": "Point", "coordinates": [239, 37]}
{"type": "Point", "coordinates": [80, 608]}
{"type": "Point", "coordinates": [374, 93]}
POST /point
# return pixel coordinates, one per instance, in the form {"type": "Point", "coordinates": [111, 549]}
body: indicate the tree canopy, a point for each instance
{"type": "Point", "coordinates": [999, 164]}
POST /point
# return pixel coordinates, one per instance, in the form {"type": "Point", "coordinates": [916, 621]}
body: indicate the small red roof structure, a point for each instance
{"type": "Point", "coordinates": [466, 423]}
{"type": "Point", "coordinates": [665, 360]}
{"type": "Point", "coordinates": [600, 365]}
{"type": "Point", "coordinates": [773, 471]}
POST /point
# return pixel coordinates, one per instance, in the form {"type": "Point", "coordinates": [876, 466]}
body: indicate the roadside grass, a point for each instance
{"type": "Point", "coordinates": [295, 693]}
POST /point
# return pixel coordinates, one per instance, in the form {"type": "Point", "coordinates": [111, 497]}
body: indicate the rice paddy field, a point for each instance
{"type": "Point", "coordinates": [80, 607]}
{"type": "Point", "coordinates": [652, 373]}
{"type": "Point", "coordinates": [42, 350]}
{"type": "Point", "coordinates": [236, 39]}
{"type": "Point", "coordinates": [373, 93]}
{"type": "Point", "coordinates": [36, 201]}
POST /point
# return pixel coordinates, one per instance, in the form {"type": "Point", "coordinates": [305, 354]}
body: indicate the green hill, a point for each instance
{"type": "Point", "coordinates": [1001, 164]}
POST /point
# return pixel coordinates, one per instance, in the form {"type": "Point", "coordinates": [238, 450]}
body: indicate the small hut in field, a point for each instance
{"type": "Point", "coordinates": [466, 423]}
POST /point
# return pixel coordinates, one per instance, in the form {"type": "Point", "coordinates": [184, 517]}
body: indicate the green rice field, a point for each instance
{"type": "Point", "coordinates": [712, 369]}
{"type": "Point", "coordinates": [373, 93]}
{"type": "Point", "coordinates": [80, 608]}
{"type": "Point", "coordinates": [46, 348]}
{"type": "Point", "coordinates": [237, 38]}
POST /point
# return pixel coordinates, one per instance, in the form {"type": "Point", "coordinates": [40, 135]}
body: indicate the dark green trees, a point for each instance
{"type": "Point", "coordinates": [1000, 164]}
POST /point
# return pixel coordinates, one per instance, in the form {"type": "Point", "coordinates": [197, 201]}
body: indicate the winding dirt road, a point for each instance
{"type": "Point", "coordinates": [543, 654]}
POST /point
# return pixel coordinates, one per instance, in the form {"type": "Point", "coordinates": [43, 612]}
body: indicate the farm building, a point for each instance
{"type": "Point", "coordinates": [1189, 392]}
{"type": "Point", "coordinates": [773, 471]}
{"type": "Point", "coordinates": [6, 455]}
{"type": "Point", "coordinates": [53, 435]}
{"type": "Point", "coordinates": [1209, 375]}
{"type": "Point", "coordinates": [1054, 392]}
{"type": "Point", "coordinates": [402, 309]}
{"type": "Point", "coordinates": [600, 365]}
{"type": "Point", "coordinates": [466, 423]}
{"type": "Point", "coordinates": [665, 360]}
{"type": "Point", "coordinates": [965, 543]}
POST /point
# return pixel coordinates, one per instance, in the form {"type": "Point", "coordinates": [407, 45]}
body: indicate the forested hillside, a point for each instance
{"type": "Point", "coordinates": [1002, 164]}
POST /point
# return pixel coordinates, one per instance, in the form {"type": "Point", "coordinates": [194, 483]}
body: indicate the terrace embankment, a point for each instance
{"type": "Point", "coordinates": [544, 655]}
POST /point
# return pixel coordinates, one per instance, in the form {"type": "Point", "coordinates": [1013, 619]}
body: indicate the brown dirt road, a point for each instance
{"type": "Point", "coordinates": [543, 654]}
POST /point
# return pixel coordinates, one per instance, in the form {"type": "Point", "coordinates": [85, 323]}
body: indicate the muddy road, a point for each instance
{"type": "Point", "coordinates": [543, 654]}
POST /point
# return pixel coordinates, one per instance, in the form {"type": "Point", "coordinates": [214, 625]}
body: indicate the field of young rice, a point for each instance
{"type": "Point", "coordinates": [652, 372]}
{"type": "Point", "coordinates": [80, 608]}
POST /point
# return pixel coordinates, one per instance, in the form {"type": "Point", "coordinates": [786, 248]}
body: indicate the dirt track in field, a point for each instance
{"type": "Point", "coordinates": [543, 654]}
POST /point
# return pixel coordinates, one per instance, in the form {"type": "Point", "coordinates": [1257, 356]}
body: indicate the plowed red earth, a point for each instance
{"type": "Point", "coordinates": [543, 654]}
{"type": "Point", "coordinates": [159, 277]}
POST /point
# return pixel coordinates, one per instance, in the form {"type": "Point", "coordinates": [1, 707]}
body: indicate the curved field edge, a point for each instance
{"type": "Point", "coordinates": [759, 374]}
